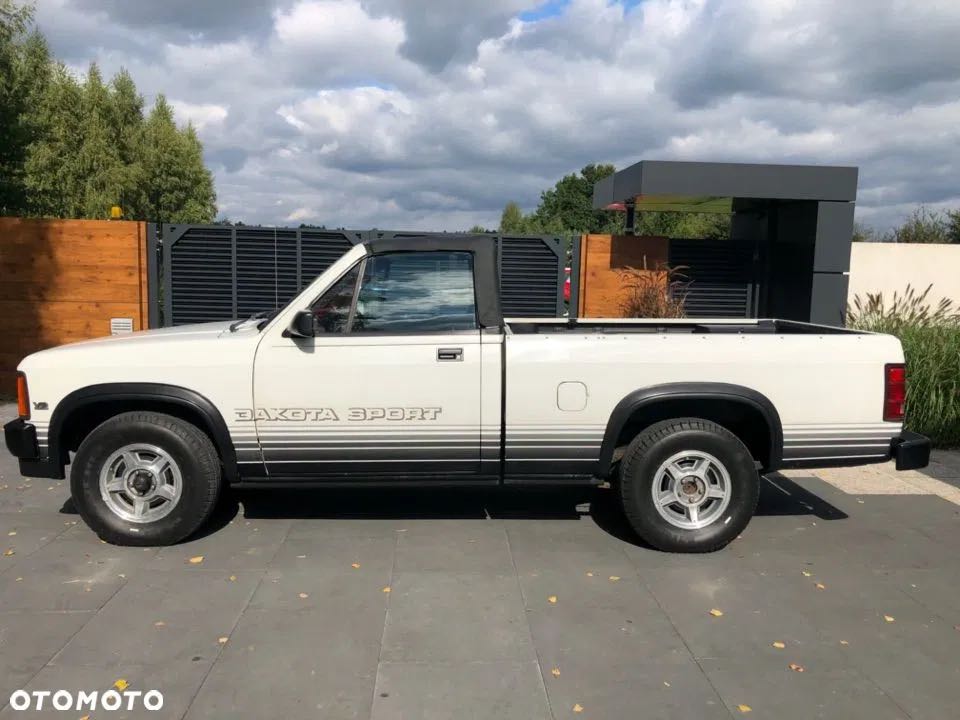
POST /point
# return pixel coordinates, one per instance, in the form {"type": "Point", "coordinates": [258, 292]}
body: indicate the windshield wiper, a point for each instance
{"type": "Point", "coordinates": [262, 315]}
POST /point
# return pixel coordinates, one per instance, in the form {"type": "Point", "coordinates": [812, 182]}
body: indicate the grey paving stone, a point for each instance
{"type": "Point", "coordinates": [26, 532]}
{"type": "Point", "coordinates": [28, 640]}
{"type": "Point", "coordinates": [773, 690]}
{"type": "Point", "coordinates": [757, 611]}
{"type": "Point", "coordinates": [599, 586]}
{"type": "Point", "coordinates": [562, 544]}
{"type": "Point", "coordinates": [177, 682]}
{"type": "Point", "coordinates": [322, 529]}
{"type": "Point", "coordinates": [456, 617]}
{"type": "Point", "coordinates": [338, 590]}
{"type": "Point", "coordinates": [332, 554]}
{"type": "Point", "coordinates": [302, 664]}
{"type": "Point", "coordinates": [196, 609]}
{"type": "Point", "coordinates": [472, 691]}
{"type": "Point", "coordinates": [667, 689]}
{"type": "Point", "coordinates": [241, 545]}
{"type": "Point", "coordinates": [605, 636]}
{"type": "Point", "coordinates": [70, 573]}
{"type": "Point", "coordinates": [455, 546]}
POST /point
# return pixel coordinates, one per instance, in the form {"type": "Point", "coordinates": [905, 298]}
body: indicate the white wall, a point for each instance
{"type": "Point", "coordinates": [889, 267]}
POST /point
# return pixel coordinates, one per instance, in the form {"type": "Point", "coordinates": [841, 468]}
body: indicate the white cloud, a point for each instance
{"type": "Point", "coordinates": [201, 115]}
{"type": "Point", "coordinates": [418, 114]}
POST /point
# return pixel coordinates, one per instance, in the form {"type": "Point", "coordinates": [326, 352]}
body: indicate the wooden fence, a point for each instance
{"type": "Point", "coordinates": [65, 280]}
{"type": "Point", "coordinates": [602, 260]}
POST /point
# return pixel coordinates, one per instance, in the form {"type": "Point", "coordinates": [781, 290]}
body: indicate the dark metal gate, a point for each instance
{"type": "Point", "coordinates": [220, 272]}
{"type": "Point", "coordinates": [720, 275]}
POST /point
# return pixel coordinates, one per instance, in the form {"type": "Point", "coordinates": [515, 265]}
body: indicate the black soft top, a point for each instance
{"type": "Point", "coordinates": [485, 277]}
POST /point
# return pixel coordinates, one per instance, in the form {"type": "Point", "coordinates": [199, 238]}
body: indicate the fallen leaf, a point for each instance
{"type": "Point", "coordinates": [821, 586]}
{"type": "Point", "coordinates": [386, 589]}
{"type": "Point", "coordinates": [11, 533]}
{"type": "Point", "coordinates": [844, 642]}
{"type": "Point", "coordinates": [614, 578]}
{"type": "Point", "coordinates": [159, 623]}
{"type": "Point", "coordinates": [222, 640]}
{"type": "Point", "coordinates": [9, 552]}
{"type": "Point", "coordinates": [233, 578]}
{"type": "Point", "coordinates": [85, 717]}
{"type": "Point", "coordinates": [303, 596]}
{"type": "Point", "coordinates": [744, 708]}
{"type": "Point", "coordinates": [121, 576]}
{"type": "Point", "coordinates": [19, 579]}
{"type": "Point", "coordinates": [716, 613]}
{"type": "Point", "coordinates": [807, 573]}
{"type": "Point", "coordinates": [552, 599]}
{"type": "Point", "coordinates": [795, 667]}
{"type": "Point", "coordinates": [555, 672]}
{"type": "Point", "coordinates": [121, 684]}
{"type": "Point", "coordinates": [889, 618]}
{"type": "Point", "coordinates": [666, 684]}
{"type": "Point", "coordinates": [196, 560]}
{"type": "Point", "coordinates": [779, 645]}
{"type": "Point", "coordinates": [577, 708]}
{"type": "Point", "coordinates": [86, 589]}
{"type": "Point", "coordinates": [355, 566]}
{"type": "Point", "coordinates": [589, 574]}
{"type": "Point", "coordinates": [301, 557]}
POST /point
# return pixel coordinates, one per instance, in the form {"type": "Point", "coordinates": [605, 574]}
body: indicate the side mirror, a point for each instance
{"type": "Point", "coordinates": [302, 325]}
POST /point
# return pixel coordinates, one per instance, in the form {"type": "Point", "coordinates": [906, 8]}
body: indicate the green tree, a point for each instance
{"type": "Point", "coordinates": [512, 219]}
{"type": "Point", "coordinates": [923, 225]}
{"type": "Point", "coordinates": [953, 226]}
{"type": "Point", "coordinates": [52, 169]}
{"type": "Point", "coordinates": [24, 67]}
{"type": "Point", "coordinates": [177, 185]}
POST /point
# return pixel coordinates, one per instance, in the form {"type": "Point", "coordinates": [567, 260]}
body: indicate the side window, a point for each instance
{"type": "Point", "coordinates": [416, 292]}
{"type": "Point", "coordinates": [332, 311]}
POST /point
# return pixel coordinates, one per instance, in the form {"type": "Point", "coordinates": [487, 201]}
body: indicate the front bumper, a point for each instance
{"type": "Point", "coordinates": [910, 451]}
{"type": "Point", "coordinates": [21, 439]}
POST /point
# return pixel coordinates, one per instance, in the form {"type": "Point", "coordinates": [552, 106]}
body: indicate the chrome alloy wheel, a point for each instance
{"type": "Point", "coordinates": [141, 483]}
{"type": "Point", "coordinates": [691, 489]}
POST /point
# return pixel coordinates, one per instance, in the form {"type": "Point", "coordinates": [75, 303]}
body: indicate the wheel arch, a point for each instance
{"type": "Point", "coordinates": [745, 412]}
{"type": "Point", "coordinates": [80, 411]}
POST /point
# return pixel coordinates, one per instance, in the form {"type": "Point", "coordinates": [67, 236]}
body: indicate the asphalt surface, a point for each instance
{"type": "Point", "coordinates": [430, 604]}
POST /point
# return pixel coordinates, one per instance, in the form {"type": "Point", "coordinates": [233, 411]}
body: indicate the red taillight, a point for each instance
{"type": "Point", "coordinates": [23, 397]}
{"type": "Point", "coordinates": [894, 391]}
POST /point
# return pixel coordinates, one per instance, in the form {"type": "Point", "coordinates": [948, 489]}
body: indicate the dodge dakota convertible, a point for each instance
{"type": "Point", "coordinates": [395, 366]}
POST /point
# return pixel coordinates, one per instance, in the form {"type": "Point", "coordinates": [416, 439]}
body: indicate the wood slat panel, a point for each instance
{"type": "Point", "coordinates": [63, 280]}
{"type": "Point", "coordinates": [602, 258]}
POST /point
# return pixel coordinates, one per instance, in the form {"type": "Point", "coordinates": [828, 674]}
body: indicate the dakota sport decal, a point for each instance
{"type": "Point", "coordinates": [354, 414]}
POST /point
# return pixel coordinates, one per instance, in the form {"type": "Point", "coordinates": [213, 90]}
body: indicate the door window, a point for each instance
{"type": "Point", "coordinates": [331, 313]}
{"type": "Point", "coordinates": [416, 292]}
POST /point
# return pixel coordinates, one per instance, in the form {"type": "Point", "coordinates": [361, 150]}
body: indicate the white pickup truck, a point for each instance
{"type": "Point", "coordinates": [395, 366]}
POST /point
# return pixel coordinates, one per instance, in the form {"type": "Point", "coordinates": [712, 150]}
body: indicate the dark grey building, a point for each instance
{"type": "Point", "coordinates": [791, 230]}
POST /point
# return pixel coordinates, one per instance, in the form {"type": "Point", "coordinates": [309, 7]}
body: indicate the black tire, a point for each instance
{"type": "Point", "coordinates": [663, 440]}
{"type": "Point", "coordinates": [186, 445]}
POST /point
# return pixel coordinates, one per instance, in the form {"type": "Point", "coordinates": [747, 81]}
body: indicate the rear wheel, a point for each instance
{"type": "Point", "coordinates": [688, 485]}
{"type": "Point", "coordinates": [145, 478]}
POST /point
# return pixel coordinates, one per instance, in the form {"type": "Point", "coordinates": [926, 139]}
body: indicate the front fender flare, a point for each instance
{"type": "Point", "coordinates": [172, 394]}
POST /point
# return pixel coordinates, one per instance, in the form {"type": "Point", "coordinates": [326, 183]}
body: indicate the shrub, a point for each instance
{"type": "Point", "coordinates": [659, 293]}
{"type": "Point", "coordinates": [931, 345]}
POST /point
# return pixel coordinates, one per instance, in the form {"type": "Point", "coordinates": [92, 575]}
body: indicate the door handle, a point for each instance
{"type": "Point", "coordinates": [449, 354]}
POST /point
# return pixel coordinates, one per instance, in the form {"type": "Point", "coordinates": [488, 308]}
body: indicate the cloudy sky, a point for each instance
{"type": "Point", "coordinates": [431, 114]}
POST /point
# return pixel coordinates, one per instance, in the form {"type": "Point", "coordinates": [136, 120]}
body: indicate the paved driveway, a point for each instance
{"type": "Point", "coordinates": [434, 604]}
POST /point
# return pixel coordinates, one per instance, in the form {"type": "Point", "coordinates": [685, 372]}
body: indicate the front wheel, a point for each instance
{"type": "Point", "coordinates": [145, 478]}
{"type": "Point", "coordinates": [688, 485]}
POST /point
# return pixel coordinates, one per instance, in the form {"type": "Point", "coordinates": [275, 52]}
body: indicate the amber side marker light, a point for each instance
{"type": "Point", "coordinates": [894, 392]}
{"type": "Point", "coordinates": [23, 396]}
